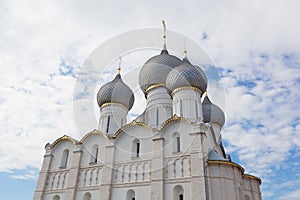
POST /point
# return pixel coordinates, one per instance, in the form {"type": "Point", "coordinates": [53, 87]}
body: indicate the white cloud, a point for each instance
{"type": "Point", "coordinates": [294, 195]}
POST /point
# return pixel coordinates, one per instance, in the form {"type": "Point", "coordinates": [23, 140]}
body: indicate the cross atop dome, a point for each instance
{"type": "Point", "coordinates": [165, 36]}
{"type": "Point", "coordinates": [119, 66]}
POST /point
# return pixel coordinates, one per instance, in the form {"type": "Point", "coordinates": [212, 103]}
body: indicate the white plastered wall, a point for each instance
{"type": "Point", "coordinates": [141, 192]}
{"type": "Point", "coordinates": [123, 143]}
{"type": "Point", "coordinates": [224, 181]}
{"type": "Point", "coordinates": [87, 145]}
{"type": "Point", "coordinates": [58, 153]}
{"type": "Point", "coordinates": [181, 127]}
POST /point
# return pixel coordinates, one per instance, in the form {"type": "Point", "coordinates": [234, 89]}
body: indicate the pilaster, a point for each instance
{"type": "Point", "coordinates": [42, 180]}
{"type": "Point", "coordinates": [198, 168]}
{"type": "Point", "coordinates": [106, 182]}
{"type": "Point", "coordinates": [73, 173]}
{"type": "Point", "coordinates": [157, 167]}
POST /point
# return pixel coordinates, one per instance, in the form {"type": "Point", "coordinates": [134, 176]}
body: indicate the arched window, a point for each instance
{"type": "Point", "coordinates": [64, 159]}
{"type": "Point", "coordinates": [176, 142]}
{"type": "Point", "coordinates": [87, 196]}
{"type": "Point", "coordinates": [130, 195]}
{"type": "Point", "coordinates": [56, 197]}
{"type": "Point", "coordinates": [94, 154]}
{"type": "Point", "coordinates": [136, 147]}
{"type": "Point", "coordinates": [247, 197]}
{"type": "Point", "coordinates": [178, 193]}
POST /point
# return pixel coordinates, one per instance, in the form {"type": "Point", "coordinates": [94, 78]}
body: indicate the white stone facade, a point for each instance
{"type": "Point", "coordinates": [166, 153]}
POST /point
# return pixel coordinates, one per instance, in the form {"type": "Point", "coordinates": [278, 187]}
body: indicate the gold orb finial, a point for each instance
{"type": "Point", "coordinates": [185, 53]}
{"type": "Point", "coordinates": [119, 67]}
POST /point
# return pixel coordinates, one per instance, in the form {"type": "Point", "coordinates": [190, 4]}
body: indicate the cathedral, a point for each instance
{"type": "Point", "coordinates": [172, 151]}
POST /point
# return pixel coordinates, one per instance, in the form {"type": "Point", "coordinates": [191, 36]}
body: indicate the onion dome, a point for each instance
{"type": "Point", "coordinates": [212, 113]}
{"type": "Point", "coordinates": [156, 69]}
{"type": "Point", "coordinates": [116, 91]}
{"type": "Point", "coordinates": [186, 75]}
{"type": "Point", "coordinates": [214, 155]}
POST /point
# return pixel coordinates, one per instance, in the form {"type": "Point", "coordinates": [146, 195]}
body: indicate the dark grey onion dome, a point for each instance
{"type": "Point", "coordinates": [116, 91]}
{"type": "Point", "coordinates": [186, 74]}
{"type": "Point", "coordinates": [212, 113]}
{"type": "Point", "coordinates": [156, 69]}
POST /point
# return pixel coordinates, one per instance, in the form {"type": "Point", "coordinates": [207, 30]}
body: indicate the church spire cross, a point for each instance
{"type": "Point", "coordinates": [165, 29]}
{"type": "Point", "coordinates": [119, 67]}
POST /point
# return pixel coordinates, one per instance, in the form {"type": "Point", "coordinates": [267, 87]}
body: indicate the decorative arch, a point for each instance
{"type": "Point", "coordinates": [178, 193]}
{"type": "Point", "coordinates": [133, 123]}
{"type": "Point", "coordinates": [87, 196]}
{"type": "Point", "coordinates": [130, 195]}
{"type": "Point", "coordinates": [65, 137]}
{"type": "Point", "coordinates": [173, 119]}
{"type": "Point", "coordinates": [56, 197]}
{"type": "Point", "coordinates": [94, 132]}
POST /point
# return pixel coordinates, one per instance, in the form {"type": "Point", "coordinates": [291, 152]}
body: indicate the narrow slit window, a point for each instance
{"type": "Point", "coordinates": [178, 143]}
{"type": "Point", "coordinates": [137, 149]}
{"type": "Point", "coordinates": [107, 125]}
{"type": "Point", "coordinates": [65, 157]}
{"type": "Point", "coordinates": [96, 155]}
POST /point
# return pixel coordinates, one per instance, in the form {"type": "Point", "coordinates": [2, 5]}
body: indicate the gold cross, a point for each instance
{"type": "Point", "coordinates": [119, 67]}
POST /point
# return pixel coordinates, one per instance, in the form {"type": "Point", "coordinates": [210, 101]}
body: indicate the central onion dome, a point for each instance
{"type": "Point", "coordinates": [212, 113]}
{"type": "Point", "coordinates": [116, 91]}
{"type": "Point", "coordinates": [186, 75]}
{"type": "Point", "coordinates": [156, 69]}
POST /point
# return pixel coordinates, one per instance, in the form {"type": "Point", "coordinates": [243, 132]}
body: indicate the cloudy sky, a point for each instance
{"type": "Point", "coordinates": [254, 44]}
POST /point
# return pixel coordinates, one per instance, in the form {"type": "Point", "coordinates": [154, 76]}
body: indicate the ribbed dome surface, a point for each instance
{"type": "Point", "coordinates": [186, 74]}
{"type": "Point", "coordinates": [156, 69]}
{"type": "Point", "coordinates": [212, 113]}
{"type": "Point", "coordinates": [116, 91]}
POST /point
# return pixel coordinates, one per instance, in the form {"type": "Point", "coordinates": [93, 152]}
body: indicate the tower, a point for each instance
{"type": "Point", "coordinates": [115, 99]}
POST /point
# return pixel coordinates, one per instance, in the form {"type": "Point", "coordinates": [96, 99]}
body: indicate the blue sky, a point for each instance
{"type": "Point", "coordinates": [254, 44]}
